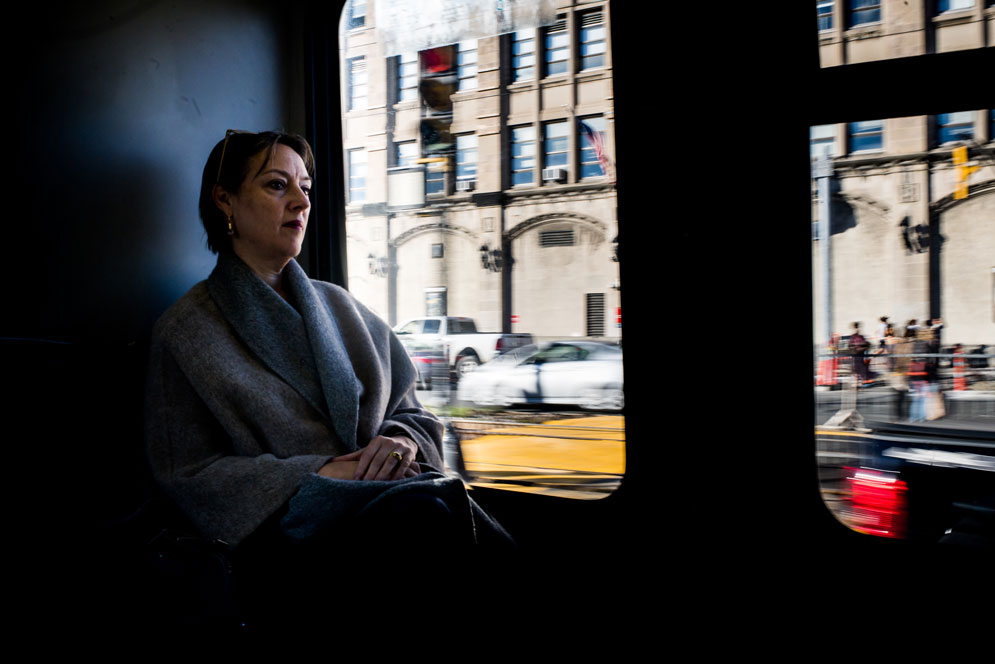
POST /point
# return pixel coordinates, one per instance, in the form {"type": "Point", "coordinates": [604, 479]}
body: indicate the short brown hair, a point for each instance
{"type": "Point", "coordinates": [239, 148]}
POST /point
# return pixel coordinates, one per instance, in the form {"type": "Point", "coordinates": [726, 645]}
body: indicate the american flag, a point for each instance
{"type": "Point", "coordinates": [596, 140]}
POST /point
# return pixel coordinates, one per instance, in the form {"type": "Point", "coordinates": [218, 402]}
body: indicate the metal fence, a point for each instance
{"type": "Point", "coordinates": [892, 382]}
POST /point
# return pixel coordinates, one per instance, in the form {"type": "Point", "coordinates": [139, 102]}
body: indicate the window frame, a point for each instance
{"type": "Point", "coordinates": [407, 83]}
{"type": "Point", "coordinates": [557, 31]}
{"type": "Point", "coordinates": [356, 19]}
{"type": "Point", "coordinates": [561, 155]}
{"type": "Point", "coordinates": [352, 165]}
{"type": "Point", "coordinates": [856, 133]}
{"type": "Point", "coordinates": [354, 67]}
{"type": "Point", "coordinates": [583, 148]}
{"type": "Point", "coordinates": [600, 58]}
{"type": "Point", "coordinates": [863, 9]}
{"type": "Point", "coordinates": [824, 15]}
{"type": "Point", "coordinates": [523, 72]}
{"type": "Point", "coordinates": [887, 89]}
{"type": "Point", "coordinates": [462, 174]}
{"type": "Point", "coordinates": [463, 76]}
{"type": "Point", "coordinates": [512, 143]}
{"type": "Point", "coordinates": [951, 124]}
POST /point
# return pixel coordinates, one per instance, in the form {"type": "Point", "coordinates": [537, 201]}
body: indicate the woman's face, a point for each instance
{"type": "Point", "coordinates": [270, 210]}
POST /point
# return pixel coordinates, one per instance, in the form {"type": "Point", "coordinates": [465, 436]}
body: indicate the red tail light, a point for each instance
{"type": "Point", "coordinates": [499, 347]}
{"type": "Point", "coordinates": [878, 502]}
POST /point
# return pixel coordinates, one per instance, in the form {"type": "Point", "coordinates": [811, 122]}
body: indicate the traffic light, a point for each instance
{"type": "Point", "coordinates": [963, 172]}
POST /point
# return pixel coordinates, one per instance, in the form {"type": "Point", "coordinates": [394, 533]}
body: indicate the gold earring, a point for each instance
{"type": "Point", "coordinates": [231, 226]}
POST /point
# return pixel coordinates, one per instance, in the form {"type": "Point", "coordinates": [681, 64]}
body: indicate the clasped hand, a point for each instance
{"type": "Point", "coordinates": [376, 461]}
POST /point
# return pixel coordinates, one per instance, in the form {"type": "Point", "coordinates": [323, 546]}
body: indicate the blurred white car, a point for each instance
{"type": "Point", "coordinates": [582, 373]}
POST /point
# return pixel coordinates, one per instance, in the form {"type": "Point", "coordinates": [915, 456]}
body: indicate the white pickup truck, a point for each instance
{"type": "Point", "coordinates": [458, 340]}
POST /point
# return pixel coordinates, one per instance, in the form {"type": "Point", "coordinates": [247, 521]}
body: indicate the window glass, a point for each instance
{"type": "Point", "coordinates": [467, 64]}
{"type": "Point", "coordinates": [953, 127]}
{"type": "Point", "coordinates": [435, 179]}
{"type": "Point", "coordinates": [523, 56]}
{"type": "Point", "coordinates": [357, 176]}
{"type": "Point", "coordinates": [407, 77]}
{"type": "Point", "coordinates": [406, 153]}
{"type": "Point", "coordinates": [825, 12]}
{"type": "Point", "coordinates": [822, 139]}
{"type": "Point", "coordinates": [357, 84]}
{"type": "Point", "coordinates": [523, 153]}
{"type": "Point", "coordinates": [902, 276]}
{"type": "Point", "coordinates": [557, 47]}
{"type": "Point", "coordinates": [866, 136]}
{"type": "Point", "coordinates": [555, 145]}
{"type": "Point", "coordinates": [864, 11]}
{"type": "Point", "coordinates": [592, 41]}
{"type": "Point", "coordinates": [466, 157]}
{"type": "Point", "coordinates": [953, 5]}
{"type": "Point", "coordinates": [592, 152]}
{"type": "Point", "coordinates": [465, 232]}
{"type": "Point", "coordinates": [357, 13]}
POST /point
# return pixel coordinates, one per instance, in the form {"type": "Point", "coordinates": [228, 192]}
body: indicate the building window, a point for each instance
{"type": "Point", "coordinates": [466, 157]}
{"type": "Point", "coordinates": [592, 40]}
{"type": "Point", "coordinates": [438, 250]}
{"type": "Point", "coordinates": [866, 136]}
{"type": "Point", "coordinates": [357, 176]}
{"type": "Point", "coordinates": [357, 13]}
{"type": "Point", "coordinates": [822, 140]}
{"type": "Point", "coordinates": [523, 155]}
{"type": "Point", "coordinates": [407, 77]}
{"type": "Point", "coordinates": [951, 127]}
{"type": "Point", "coordinates": [592, 147]}
{"type": "Point", "coordinates": [554, 145]}
{"type": "Point", "coordinates": [466, 64]}
{"type": "Point", "coordinates": [358, 83]}
{"type": "Point", "coordinates": [557, 48]}
{"type": "Point", "coordinates": [556, 238]}
{"type": "Point", "coordinates": [825, 9]}
{"type": "Point", "coordinates": [405, 153]}
{"type": "Point", "coordinates": [523, 58]}
{"type": "Point", "coordinates": [435, 178]}
{"type": "Point", "coordinates": [953, 5]}
{"type": "Point", "coordinates": [865, 11]}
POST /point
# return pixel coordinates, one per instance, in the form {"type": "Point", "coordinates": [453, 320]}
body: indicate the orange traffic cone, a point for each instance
{"type": "Point", "coordinates": [828, 368]}
{"type": "Point", "coordinates": [960, 381]}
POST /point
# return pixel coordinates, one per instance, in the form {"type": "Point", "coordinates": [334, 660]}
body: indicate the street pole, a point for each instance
{"type": "Point", "coordinates": [847, 416]}
{"type": "Point", "coordinates": [823, 176]}
{"type": "Point", "coordinates": [391, 274]}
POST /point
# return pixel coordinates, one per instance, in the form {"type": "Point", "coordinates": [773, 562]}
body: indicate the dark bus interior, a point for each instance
{"type": "Point", "coordinates": [720, 502]}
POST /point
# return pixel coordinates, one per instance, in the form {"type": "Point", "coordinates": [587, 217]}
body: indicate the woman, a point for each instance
{"type": "Point", "coordinates": [279, 409]}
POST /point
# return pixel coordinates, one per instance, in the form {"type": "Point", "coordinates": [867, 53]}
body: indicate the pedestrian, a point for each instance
{"type": "Point", "coordinates": [858, 346]}
{"type": "Point", "coordinates": [900, 349]}
{"type": "Point", "coordinates": [888, 341]}
{"type": "Point", "coordinates": [911, 328]}
{"type": "Point", "coordinates": [881, 331]}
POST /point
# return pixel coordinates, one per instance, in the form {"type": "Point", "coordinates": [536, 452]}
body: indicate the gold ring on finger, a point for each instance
{"type": "Point", "coordinates": [397, 455]}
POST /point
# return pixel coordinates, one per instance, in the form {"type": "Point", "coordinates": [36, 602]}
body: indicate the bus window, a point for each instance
{"type": "Point", "coordinates": [902, 246]}
{"type": "Point", "coordinates": [489, 205]}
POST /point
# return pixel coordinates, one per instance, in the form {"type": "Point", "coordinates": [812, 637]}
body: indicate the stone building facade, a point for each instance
{"type": "Point", "coordinates": [852, 31]}
{"type": "Point", "coordinates": [518, 221]}
{"type": "Point", "coordinates": [912, 198]}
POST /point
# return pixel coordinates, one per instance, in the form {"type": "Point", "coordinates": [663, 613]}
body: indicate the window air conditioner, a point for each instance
{"type": "Point", "coordinates": [466, 185]}
{"type": "Point", "coordinates": [554, 174]}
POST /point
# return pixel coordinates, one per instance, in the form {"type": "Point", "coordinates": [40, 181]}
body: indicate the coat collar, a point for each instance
{"type": "Point", "coordinates": [303, 346]}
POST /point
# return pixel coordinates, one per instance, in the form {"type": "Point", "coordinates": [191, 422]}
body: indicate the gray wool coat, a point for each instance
{"type": "Point", "coordinates": [248, 395]}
